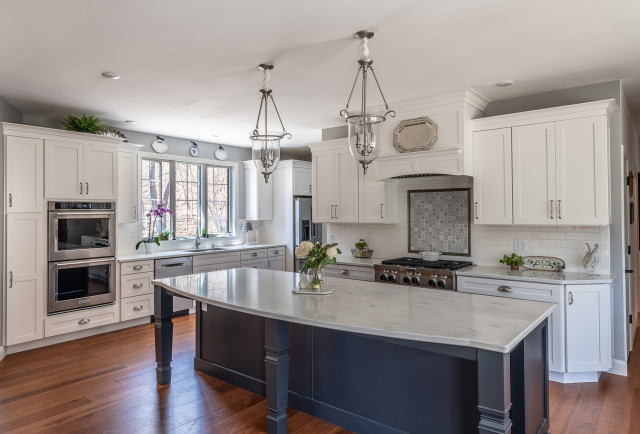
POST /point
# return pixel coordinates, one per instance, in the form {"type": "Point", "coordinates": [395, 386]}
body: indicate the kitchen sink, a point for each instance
{"type": "Point", "coordinates": [206, 249]}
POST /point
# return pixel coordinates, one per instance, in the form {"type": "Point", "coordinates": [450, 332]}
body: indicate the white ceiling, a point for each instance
{"type": "Point", "coordinates": [189, 67]}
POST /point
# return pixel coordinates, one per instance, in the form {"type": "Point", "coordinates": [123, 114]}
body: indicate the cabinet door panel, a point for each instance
{"type": "Point", "coordinates": [345, 187]}
{"type": "Point", "coordinates": [63, 170]}
{"type": "Point", "coordinates": [323, 175]}
{"type": "Point", "coordinates": [371, 197]}
{"type": "Point", "coordinates": [100, 172]}
{"type": "Point", "coordinates": [492, 184]}
{"type": "Point", "coordinates": [588, 314]}
{"type": "Point", "coordinates": [534, 169]}
{"type": "Point", "coordinates": [25, 278]}
{"type": "Point", "coordinates": [127, 187]}
{"type": "Point", "coordinates": [24, 174]}
{"type": "Point", "coordinates": [581, 171]}
{"type": "Point", "coordinates": [275, 264]}
{"type": "Point", "coordinates": [302, 182]}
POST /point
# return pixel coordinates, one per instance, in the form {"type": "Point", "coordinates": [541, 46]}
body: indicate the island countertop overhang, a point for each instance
{"type": "Point", "coordinates": [418, 314]}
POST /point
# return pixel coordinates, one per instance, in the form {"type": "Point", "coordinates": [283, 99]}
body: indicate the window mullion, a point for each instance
{"type": "Point", "coordinates": [172, 194]}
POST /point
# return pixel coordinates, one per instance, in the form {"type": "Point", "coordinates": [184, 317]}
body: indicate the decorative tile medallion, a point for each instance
{"type": "Point", "coordinates": [440, 219]}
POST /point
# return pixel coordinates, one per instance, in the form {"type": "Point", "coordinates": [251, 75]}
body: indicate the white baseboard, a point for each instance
{"type": "Point", "coordinates": [3, 352]}
{"type": "Point", "coordinates": [75, 335]}
{"type": "Point", "coordinates": [574, 377]}
{"type": "Point", "coordinates": [618, 367]}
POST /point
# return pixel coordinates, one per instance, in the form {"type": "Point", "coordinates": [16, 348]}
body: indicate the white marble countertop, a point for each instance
{"type": "Point", "coordinates": [396, 311]}
{"type": "Point", "coordinates": [554, 277]}
{"type": "Point", "coordinates": [185, 252]}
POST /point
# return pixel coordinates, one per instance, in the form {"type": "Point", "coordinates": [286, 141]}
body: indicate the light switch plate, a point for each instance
{"type": "Point", "coordinates": [520, 245]}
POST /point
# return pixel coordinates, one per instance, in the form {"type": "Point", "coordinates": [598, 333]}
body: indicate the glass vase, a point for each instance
{"type": "Point", "coordinates": [315, 277]}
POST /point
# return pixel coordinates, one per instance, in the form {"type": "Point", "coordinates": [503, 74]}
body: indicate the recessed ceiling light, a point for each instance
{"type": "Point", "coordinates": [110, 75]}
{"type": "Point", "coordinates": [130, 122]}
{"type": "Point", "coordinates": [504, 83]}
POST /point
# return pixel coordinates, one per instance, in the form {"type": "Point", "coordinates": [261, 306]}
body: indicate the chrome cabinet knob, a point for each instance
{"type": "Point", "coordinates": [505, 289]}
{"type": "Point", "coordinates": [137, 267]}
{"type": "Point", "coordinates": [138, 307]}
{"type": "Point", "coordinates": [84, 321]}
{"type": "Point", "coordinates": [137, 285]}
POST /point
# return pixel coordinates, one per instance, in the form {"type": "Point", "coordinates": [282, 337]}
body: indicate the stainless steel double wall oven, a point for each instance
{"type": "Point", "coordinates": [82, 250]}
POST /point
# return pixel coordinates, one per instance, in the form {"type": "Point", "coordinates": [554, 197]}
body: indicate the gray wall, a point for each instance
{"type": "Point", "coordinates": [8, 113]}
{"type": "Point", "coordinates": [576, 95]}
{"type": "Point", "coordinates": [335, 133]}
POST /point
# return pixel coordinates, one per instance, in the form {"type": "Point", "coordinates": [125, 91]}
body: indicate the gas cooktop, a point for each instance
{"type": "Point", "coordinates": [431, 265]}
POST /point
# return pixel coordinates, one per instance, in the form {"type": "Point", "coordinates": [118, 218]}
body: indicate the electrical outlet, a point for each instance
{"type": "Point", "coordinates": [367, 239]}
{"type": "Point", "coordinates": [520, 245]}
{"type": "Point", "coordinates": [330, 237]}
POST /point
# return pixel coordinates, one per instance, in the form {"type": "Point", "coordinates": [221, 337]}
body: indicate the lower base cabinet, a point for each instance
{"type": "Point", "coordinates": [81, 320]}
{"type": "Point", "coordinates": [579, 329]}
{"type": "Point", "coordinates": [354, 272]}
{"type": "Point", "coordinates": [136, 307]}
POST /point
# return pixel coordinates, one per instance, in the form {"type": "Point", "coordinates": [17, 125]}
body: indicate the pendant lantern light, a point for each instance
{"type": "Point", "coordinates": [365, 125]}
{"type": "Point", "coordinates": [265, 145]}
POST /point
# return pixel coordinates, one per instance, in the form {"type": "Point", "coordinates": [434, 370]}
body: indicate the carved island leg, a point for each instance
{"type": "Point", "coordinates": [494, 392]}
{"type": "Point", "coordinates": [277, 374]}
{"type": "Point", "coordinates": [163, 312]}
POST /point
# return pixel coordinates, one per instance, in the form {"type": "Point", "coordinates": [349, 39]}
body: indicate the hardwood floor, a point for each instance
{"type": "Point", "coordinates": [107, 383]}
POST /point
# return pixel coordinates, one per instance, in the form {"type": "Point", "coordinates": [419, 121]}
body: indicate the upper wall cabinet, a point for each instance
{"type": "Point", "coordinates": [128, 184]}
{"type": "Point", "coordinates": [258, 197]}
{"type": "Point", "coordinates": [24, 174]}
{"type": "Point", "coordinates": [559, 167]}
{"type": "Point", "coordinates": [341, 191]}
{"type": "Point", "coordinates": [80, 171]}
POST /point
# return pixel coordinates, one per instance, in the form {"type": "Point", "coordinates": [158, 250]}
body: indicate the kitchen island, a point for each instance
{"type": "Point", "coordinates": [368, 357]}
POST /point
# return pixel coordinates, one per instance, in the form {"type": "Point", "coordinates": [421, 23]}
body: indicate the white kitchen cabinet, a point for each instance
{"type": "Point", "coordinates": [582, 168]}
{"type": "Point", "coordinates": [80, 171]}
{"type": "Point", "coordinates": [258, 204]}
{"type": "Point", "coordinates": [560, 166]}
{"type": "Point", "coordinates": [345, 187]}
{"type": "Point", "coordinates": [100, 172]}
{"type": "Point", "coordinates": [24, 166]}
{"type": "Point", "coordinates": [534, 174]}
{"type": "Point", "coordinates": [63, 170]}
{"type": "Point", "coordinates": [25, 274]}
{"type": "Point", "coordinates": [492, 177]}
{"type": "Point", "coordinates": [127, 187]}
{"type": "Point", "coordinates": [322, 185]}
{"type": "Point", "coordinates": [276, 263]}
{"type": "Point", "coordinates": [302, 185]}
{"type": "Point", "coordinates": [588, 318]}
{"type": "Point", "coordinates": [377, 199]}
{"type": "Point", "coordinates": [255, 263]}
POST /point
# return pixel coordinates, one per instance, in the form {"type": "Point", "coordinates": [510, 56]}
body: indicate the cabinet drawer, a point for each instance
{"type": "Point", "coordinates": [511, 289]}
{"type": "Point", "coordinates": [136, 307]}
{"type": "Point", "coordinates": [136, 284]}
{"type": "Point", "coordinates": [75, 321]}
{"type": "Point", "coordinates": [136, 267]}
{"type": "Point", "coordinates": [253, 254]}
{"type": "Point", "coordinates": [216, 267]}
{"type": "Point", "coordinates": [215, 258]}
{"type": "Point", "coordinates": [350, 272]}
{"type": "Point", "coordinates": [275, 251]}
{"type": "Point", "coordinates": [255, 263]}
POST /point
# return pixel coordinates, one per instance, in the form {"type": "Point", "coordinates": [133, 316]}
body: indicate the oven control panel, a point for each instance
{"type": "Point", "coordinates": [83, 205]}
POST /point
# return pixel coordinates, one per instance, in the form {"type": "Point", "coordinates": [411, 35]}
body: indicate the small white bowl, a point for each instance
{"type": "Point", "coordinates": [430, 256]}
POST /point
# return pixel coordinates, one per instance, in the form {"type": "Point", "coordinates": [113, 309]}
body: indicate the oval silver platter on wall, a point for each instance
{"type": "Point", "coordinates": [414, 135]}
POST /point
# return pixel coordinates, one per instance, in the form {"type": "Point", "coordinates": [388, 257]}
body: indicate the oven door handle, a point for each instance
{"type": "Point", "coordinates": [83, 262]}
{"type": "Point", "coordinates": [105, 214]}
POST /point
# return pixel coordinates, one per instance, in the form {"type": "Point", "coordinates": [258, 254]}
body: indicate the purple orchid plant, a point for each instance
{"type": "Point", "coordinates": [154, 214]}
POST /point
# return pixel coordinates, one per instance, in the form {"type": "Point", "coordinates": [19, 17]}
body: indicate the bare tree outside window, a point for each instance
{"type": "Point", "coordinates": [156, 188]}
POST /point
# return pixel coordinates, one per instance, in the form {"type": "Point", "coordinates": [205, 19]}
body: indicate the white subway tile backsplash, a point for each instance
{"type": "Point", "coordinates": [548, 243]}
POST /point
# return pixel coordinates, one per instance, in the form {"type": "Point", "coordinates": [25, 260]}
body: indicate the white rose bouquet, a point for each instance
{"type": "Point", "coordinates": [318, 256]}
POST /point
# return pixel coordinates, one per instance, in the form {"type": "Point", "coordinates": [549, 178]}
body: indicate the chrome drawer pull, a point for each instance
{"type": "Point", "coordinates": [80, 188]}
{"type": "Point", "coordinates": [10, 200]}
{"type": "Point", "coordinates": [137, 267]}
{"type": "Point", "coordinates": [476, 210]}
{"type": "Point", "coordinates": [254, 254]}
{"type": "Point", "coordinates": [138, 307]}
{"type": "Point", "coordinates": [87, 184]}
{"type": "Point", "coordinates": [275, 252]}
{"type": "Point", "coordinates": [84, 321]}
{"type": "Point", "coordinates": [505, 289]}
{"type": "Point", "coordinates": [570, 297]}
{"type": "Point", "coordinates": [137, 285]}
{"type": "Point", "coordinates": [344, 272]}
{"type": "Point", "coordinates": [551, 208]}
{"type": "Point", "coordinates": [559, 209]}
{"type": "Point", "coordinates": [10, 279]}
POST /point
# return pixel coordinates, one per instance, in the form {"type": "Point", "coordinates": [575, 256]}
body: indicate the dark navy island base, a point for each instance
{"type": "Point", "coordinates": [366, 383]}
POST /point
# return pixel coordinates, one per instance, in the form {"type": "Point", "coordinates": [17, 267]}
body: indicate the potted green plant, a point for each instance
{"type": "Point", "coordinates": [153, 214]}
{"type": "Point", "coordinates": [514, 261]}
{"type": "Point", "coordinates": [164, 235]}
{"type": "Point", "coordinates": [203, 233]}
{"type": "Point", "coordinates": [318, 256]}
{"type": "Point", "coordinates": [362, 248]}
{"type": "Point", "coordinates": [83, 124]}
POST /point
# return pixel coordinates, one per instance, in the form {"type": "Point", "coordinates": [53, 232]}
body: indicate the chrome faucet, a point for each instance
{"type": "Point", "coordinates": [198, 242]}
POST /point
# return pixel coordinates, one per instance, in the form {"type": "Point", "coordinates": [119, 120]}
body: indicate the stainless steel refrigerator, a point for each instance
{"type": "Point", "coordinates": [304, 229]}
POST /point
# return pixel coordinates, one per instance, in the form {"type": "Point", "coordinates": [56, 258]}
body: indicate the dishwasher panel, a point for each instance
{"type": "Point", "coordinates": [172, 267]}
